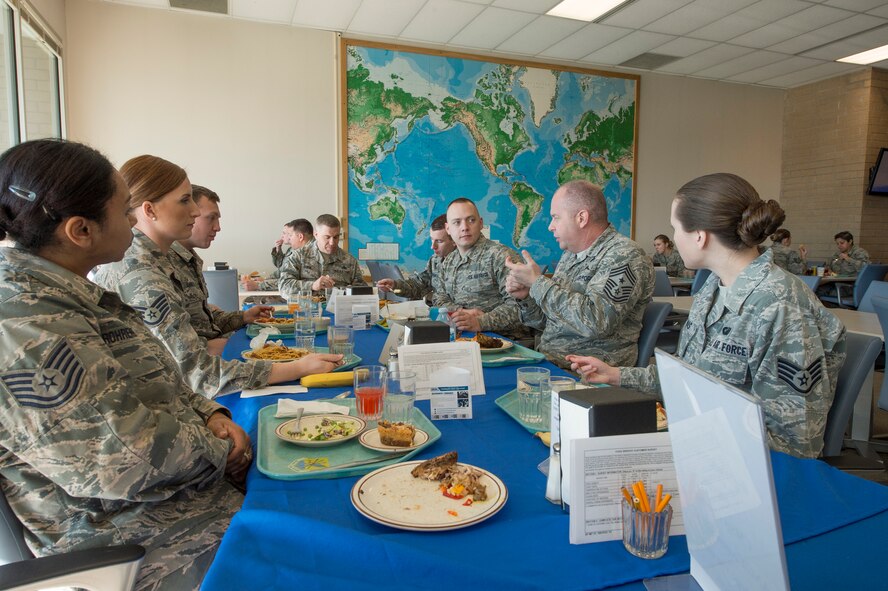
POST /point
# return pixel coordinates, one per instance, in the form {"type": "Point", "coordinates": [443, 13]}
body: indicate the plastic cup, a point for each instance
{"type": "Point", "coordinates": [646, 534]}
{"type": "Point", "coordinates": [533, 394]}
{"type": "Point", "coordinates": [400, 394]}
{"type": "Point", "coordinates": [369, 385]}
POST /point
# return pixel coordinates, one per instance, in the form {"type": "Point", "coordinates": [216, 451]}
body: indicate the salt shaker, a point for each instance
{"type": "Point", "coordinates": [553, 483]}
{"type": "Point", "coordinates": [393, 361]}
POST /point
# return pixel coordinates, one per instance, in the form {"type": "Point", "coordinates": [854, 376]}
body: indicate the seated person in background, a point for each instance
{"type": "Point", "coordinates": [419, 286]}
{"type": "Point", "coordinates": [752, 324]}
{"type": "Point", "coordinates": [667, 256]}
{"type": "Point", "coordinates": [321, 264]}
{"type": "Point", "coordinates": [102, 441]}
{"type": "Point", "coordinates": [160, 200]}
{"type": "Point", "coordinates": [472, 279]}
{"type": "Point", "coordinates": [848, 259]}
{"type": "Point", "coordinates": [784, 256]}
{"type": "Point", "coordinates": [297, 234]}
{"type": "Point", "coordinates": [208, 321]}
{"type": "Point", "coordinates": [595, 301]}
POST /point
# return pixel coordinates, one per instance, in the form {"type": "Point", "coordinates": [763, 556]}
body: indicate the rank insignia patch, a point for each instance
{"type": "Point", "coordinates": [801, 379]}
{"type": "Point", "coordinates": [155, 313]}
{"type": "Point", "coordinates": [52, 385]}
{"type": "Point", "coordinates": [620, 283]}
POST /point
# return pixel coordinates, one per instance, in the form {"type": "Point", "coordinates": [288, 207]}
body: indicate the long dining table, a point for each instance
{"type": "Point", "coordinates": [305, 534]}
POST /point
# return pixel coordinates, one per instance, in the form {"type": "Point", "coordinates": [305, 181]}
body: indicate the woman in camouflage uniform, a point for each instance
{"type": "Point", "coordinates": [849, 259]}
{"type": "Point", "coordinates": [101, 442]}
{"type": "Point", "coordinates": [667, 256]}
{"type": "Point", "coordinates": [784, 256]}
{"type": "Point", "coordinates": [751, 324]}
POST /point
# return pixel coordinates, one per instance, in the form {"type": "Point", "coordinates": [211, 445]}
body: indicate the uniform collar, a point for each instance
{"type": "Point", "coordinates": [144, 243]}
{"type": "Point", "coordinates": [53, 275]}
{"type": "Point", "coordinates": [186, 254]}
{"type": "Point", "coordinates": [747, 281]}
{"type": "Point", "coordinates": [596, 247]}
{"type": "Point", "coordinates": [479, 246]}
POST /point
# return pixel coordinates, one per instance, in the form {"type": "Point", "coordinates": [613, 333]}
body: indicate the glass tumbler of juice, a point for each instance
{"type": "Point", "coordinates": [369, 391]}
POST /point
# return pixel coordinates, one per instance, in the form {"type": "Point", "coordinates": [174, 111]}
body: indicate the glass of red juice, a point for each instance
{"type": "Point", "coordinates": [369, 391]}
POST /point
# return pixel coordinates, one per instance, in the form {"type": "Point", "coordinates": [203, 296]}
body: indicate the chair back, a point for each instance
{"type": "Point", "coordinates": [870, 272]}
{"type": "Point", "coordinates": [862, 351]}
{"type": "Point", "coordinates": [699, 279]}
{"type": "Point", "coordinates": [384, 271]}
{"type": "Point", "coordinates": [812, 281]}
{"type": "Point", "coordinates": [222, 289]}
{"type": "Point", "coordinates": [880, 305]}
{"type": "Point", "coordinates": [876, 289]}
{"type": "Point", "coordinates": [12, 535]}
{"type": "Point", "coordinates": [654, 316]}
{"type": "Point", "coordinates": [662, 287]}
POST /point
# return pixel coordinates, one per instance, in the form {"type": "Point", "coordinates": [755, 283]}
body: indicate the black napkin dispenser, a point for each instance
{"type": "Point", "coordinates": [417, 332]}
{"type": "Point", "coordinates": [359, 290]}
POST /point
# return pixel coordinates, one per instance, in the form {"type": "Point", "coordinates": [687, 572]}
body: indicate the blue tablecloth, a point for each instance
{"type": "Point", "coordinates": [306, 535]}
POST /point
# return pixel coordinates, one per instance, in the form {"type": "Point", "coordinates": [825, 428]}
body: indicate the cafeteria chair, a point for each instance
{"type": "Point", "coordinates": [384, 271]}
{"type": "Point", "coordinates": [812, 281]}
{"type": "Point", "coordinates": [662, 286]}
{"type": "Point", "coordinates": [876, 289]}
{"type": "Point", "coordinates": [222, 289]}
{"type": "Point", "coordinates": [880, 306]}
{"type": "Point", "coordinates": [700, 278]}
{"type": "Point", "coordinates": [861, 352]}
{"type": "Point", "coordinates": [112, 568]}
{"type": "Point", "coordinates": [870, 272]}
{"type": "Point", "coordinates": [654, 316]}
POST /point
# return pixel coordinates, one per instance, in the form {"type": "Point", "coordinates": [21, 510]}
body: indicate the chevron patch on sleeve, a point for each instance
{"type": "Point", "coordinates": [800, 379]}
{"type": "Point", "coordinates": [156, 312]}
{"type": "Point", "coordinates": [620, 283]}
{"type": "Point", "coordinates": [49, 386]}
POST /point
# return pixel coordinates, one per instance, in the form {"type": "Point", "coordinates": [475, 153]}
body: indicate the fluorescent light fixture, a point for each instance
{"type": "Point", "coordinates": [867, 57]}
{"type": "Point", "coordinates": [585, 10]}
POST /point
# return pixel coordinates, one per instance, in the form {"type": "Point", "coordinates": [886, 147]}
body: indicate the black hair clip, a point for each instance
{"type": "Point", "coordinates": [23, 193]}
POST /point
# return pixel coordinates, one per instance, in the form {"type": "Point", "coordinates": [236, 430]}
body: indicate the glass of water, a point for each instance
{"type": "Point", "coordinates": [400, 394]}
{"type": "Point", "coordinates": [533, 394]}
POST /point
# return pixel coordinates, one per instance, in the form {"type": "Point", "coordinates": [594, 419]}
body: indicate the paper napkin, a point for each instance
{"type": "Point", "coordinates": [269, 390]}
{"type": "Point", "coordinates": [289, 408]}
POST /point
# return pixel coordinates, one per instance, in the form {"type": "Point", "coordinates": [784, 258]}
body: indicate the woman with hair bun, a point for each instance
{"type": "Point", "coordinates": [667, 256]}
{"type": "Point", "coordinates": [849, 258]}
{"type": "Point", "coordinates": [751, 324]}
{"type": "Point", "coordinates": [784, 256]}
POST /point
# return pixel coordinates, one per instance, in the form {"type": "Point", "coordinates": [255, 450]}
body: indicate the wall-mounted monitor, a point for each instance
{"type": "Point", "coordinates": [879, 175]}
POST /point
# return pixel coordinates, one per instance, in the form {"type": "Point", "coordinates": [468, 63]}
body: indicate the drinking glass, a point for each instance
{"type": "Point", "coordinates": [400, 393]}
{"type": "Point", "coordinates": [533, 390]}
{"type": "Point", "coordinates": [369, 386]}
{"type": "Point", "coordinates": [341, 340]}
{"type": "Point", "coordinates": [304, 333]}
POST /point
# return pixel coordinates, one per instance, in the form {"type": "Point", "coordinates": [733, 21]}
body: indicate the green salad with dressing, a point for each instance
{"type": "Point", "coordinates": [326, 430]}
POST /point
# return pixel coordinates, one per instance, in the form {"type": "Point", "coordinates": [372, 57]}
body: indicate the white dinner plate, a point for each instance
{"type": "Point", "coordinates": [370, 440]}
{"type": "Point", "coordinates": [311, 421]}
{"type": "Point", "coordinates": [393, 497]}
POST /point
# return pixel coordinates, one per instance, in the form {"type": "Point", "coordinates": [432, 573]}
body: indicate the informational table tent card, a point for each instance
{"type": "Point", "coordinates": [426, 359]}
{"type": "Point", "coordinates": [392, 342]}
{"type": "Point", "coordinates": [345, 307]}
{"type": "Point", "coordinates": [449, 396]}
{"type": "Point", "coordinates": [600, 466]}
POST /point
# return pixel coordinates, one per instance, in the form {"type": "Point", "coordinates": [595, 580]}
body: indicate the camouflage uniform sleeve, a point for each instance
{"type": "Point", "coordinates": [440, 297]}
{"type": "Point", "coordinates": [277, 256]}
{"type": "Point", "coordinates": [675, 267]}
{"type": "Point", "coordinates": [859, 259]}
{"type": "Point", "coordinates": [645, 379]}
{"type": "Point", "coordinates": [162, 311]}
{"type": "Point", "coordinates": [357, 274]}
{"type": "Point", "coordinates": [794, 263]}
{"type": "Point", "coordinates": [228, 321]}
{"type": "Point", "coordinates": [794, 375]}
{"type": "Point", "coordinates": [505, 316]}
{"type": "Point", "coordinates": [418, 285]}
{"type": "Point", "coordinates": [597, 312]}
{"type": "Point", "coordinates": [531, 314]}
{"type": "Point", "coordinates": [291, 280]}
{"type": "Point", "coordinates": [102, 428]}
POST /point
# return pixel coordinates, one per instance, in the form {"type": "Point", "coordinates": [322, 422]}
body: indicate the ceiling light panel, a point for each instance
{"type": "Point", "coordinates": [627, 47]}
{"type": "Point", "coordinates": [439, 20]}
{"type": "Point", "coordinates": [491, 27]}
{"type": "Point", "coordinates": [585, 41]}
{"type": "Point", "coordinates": [584, 10]}
{"type": "Point", "coordinates": [542, 33]}
{"type": "Point", "coordinates": [384, 17]}
{"type": "Point", "coordinates": [535, 6]}
{"type": "Point", "coordinates": [276, 11]}
{"type": "Point", "coordinates": [322, 14]}
{"type": "Point", "coordinates": [865, 58]}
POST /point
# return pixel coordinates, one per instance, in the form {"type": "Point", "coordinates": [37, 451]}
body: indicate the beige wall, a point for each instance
{"type": "Point", "coordinates": [250, 110]}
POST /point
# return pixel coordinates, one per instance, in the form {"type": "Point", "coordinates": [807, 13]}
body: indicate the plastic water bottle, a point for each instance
{"type": "Point", "coordinates": [444, 317]}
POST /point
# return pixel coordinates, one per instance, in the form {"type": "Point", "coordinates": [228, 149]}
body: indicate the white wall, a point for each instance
{"type": "Point", "coordinates": [250, 110]}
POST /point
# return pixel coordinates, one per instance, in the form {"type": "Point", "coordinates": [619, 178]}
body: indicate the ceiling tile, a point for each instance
{"type": "Point", "coordinates": [769, 11]}
{"type": "Point", "coordinates": [786, 66]}
{"type": "Point", "coordinates": [321, 14]}
{"type": "Point", "coordinates": [541, 34]}
{"type": "Point", "coordinates": [439, 20]}
{"type": "Point", "coordinates": [642, 12]}
{"type": "Point", "coordinates": [815, 17]}
{"type": "Point", "coordinates": [687, 18]}
{"type": "Point", "coordinates": [683, 46]}
{"type": "Point", "coordinates": [855, 5]}
{"type": "Point", "coordinates": [744, 63]}
{"type": "Point", "coordinates": [801, 77]}
{"type": "Point", "coordinates": [491, 27]}
{"type": "Point", "coordinates": [766, 36]}
{"type": "Point", "coordinates": [278, 11]}
{"type": "Point", "coordinates": [585, 41]}
{"type": "Point", "coordinates": [880, 11]}
{"type": "Point", "coordinates": [384, 17]}
{"type": "Point", "coordinates": [534, 6]}
{"type": "Point", "coordinates": [851, 45]}
{"type": "Point", "coordinates": [727, 28]}
{"type": "Point", "coordinates": [627, 47]}
{"type": "Point", "coordinates": [829, 34]}
{"type": "Point", "coordinates": [705, 59]}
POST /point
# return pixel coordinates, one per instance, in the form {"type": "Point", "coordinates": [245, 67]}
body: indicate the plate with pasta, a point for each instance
{"type": "Point", "coordinates": [275, 353]}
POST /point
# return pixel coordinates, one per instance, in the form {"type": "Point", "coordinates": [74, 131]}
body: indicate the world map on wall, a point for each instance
{"type": "Point", "coordinates": [422, 130]}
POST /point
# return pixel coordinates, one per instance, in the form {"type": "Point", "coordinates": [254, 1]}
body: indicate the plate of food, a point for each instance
{"type": "Point", "coordinates": [393, 437]}
{"type": "Point", "coordinates": [439, 494]}
{"type": "Point", "coordinates": [275, 353]}
{"type": "Point", "coordinates": [278, 321]}
{"type": "Point", "coordinates": [488, 343]}
{"type": "Point", "coordinates": [320, 430]}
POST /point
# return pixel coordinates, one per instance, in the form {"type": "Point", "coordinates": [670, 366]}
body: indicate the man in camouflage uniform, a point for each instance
{"type": "Point", "coordinates": [769, 335]}
{"type": "Point", "coordinates": [296, 234]}
{"type": "Point", "coordinates": [322, 264]}
{"type": "Point", "coordinates": [421, 285]}
{"type": "Point", "coordinates": [595, 301]}
{"type": "Point", "coordinates": [102, 442]}
{"type": "Point", "coordinates": [208, 321]}
{"type": "Point", "coordinates": [147, 280]}
{"type": "Point", "coordinates": [472, 279]}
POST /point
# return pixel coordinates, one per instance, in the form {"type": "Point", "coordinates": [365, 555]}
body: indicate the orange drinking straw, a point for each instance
{"type": "Point", "coordinates": [662, 504]}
